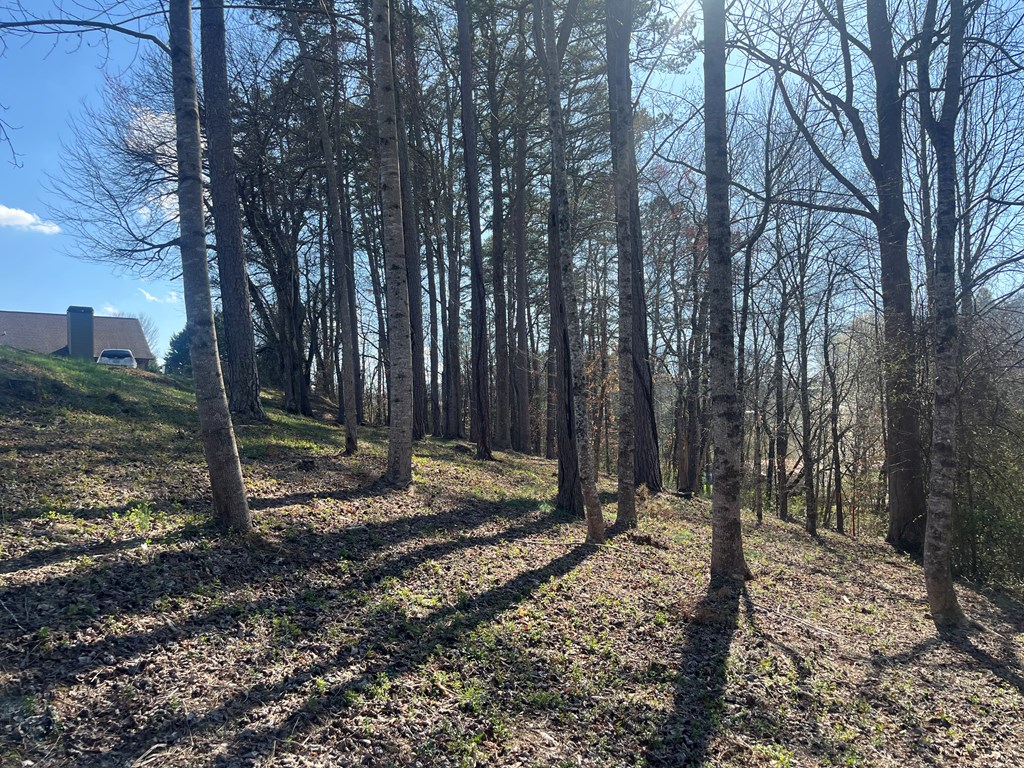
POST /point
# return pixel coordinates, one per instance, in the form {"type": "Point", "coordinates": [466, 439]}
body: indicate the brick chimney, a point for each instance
{"type": "Point", "coordinates": [80, 333]}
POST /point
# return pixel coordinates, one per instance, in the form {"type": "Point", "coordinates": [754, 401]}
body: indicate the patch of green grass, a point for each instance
{"type": "Point", "coordinates": [776, 755]}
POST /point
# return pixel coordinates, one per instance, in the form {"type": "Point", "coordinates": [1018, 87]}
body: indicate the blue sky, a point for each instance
{"type": "Point", "coordinates": [43, 84]}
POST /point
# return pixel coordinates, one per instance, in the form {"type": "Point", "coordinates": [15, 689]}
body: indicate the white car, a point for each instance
{"type": "Point", "coordinates": [121, 357]}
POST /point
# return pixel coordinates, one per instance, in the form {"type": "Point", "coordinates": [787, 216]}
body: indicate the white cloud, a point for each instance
{"type": "Point", "coordinates": [110, 309]}
{"type": "Point", "coordinates": [173, 297]}
{"type": "Point", "coordinates": [19, 219]}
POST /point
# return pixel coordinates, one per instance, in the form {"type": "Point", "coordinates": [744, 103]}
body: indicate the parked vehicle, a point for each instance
{"type": "Point", "coordinates": [120, 357]}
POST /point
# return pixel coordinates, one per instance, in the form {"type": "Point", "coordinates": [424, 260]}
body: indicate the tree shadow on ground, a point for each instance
{"type": "Point", "coordinates": [63, 604]}
{"type": "Point", "coordinates": [683, 739]}
{"type": "Point", "coordinates": [408, 645]}
{"type": "Point", "coordinates": [1007, 669]}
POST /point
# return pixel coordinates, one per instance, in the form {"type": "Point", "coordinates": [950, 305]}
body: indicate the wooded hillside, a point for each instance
{"type": "Point", "coordinates": [460, 622]}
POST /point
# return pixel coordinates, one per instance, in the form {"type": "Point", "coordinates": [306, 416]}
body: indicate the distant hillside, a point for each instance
{"type": "Point", "coordinates": [459, 623]}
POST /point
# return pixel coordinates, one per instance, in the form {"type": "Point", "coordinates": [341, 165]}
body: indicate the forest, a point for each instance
{"type": "Point", "coordinates": [760, 263]}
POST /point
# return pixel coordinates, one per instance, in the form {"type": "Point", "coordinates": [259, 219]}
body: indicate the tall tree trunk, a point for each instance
{"type": "Point", "coordinates": [520, 379]}
{"type": "Point", "coordinates": [452, 363]}
{"type": "Point", "coordinates": [230, 504]}
{"type": "Point", "coordinates": [410, 178]}
{"type": "Point", "coordinates": [834, 403]}
{"type": "Point", "coordinates": [433, 385]}
{"type": "Point", "coordinates": [647, 465]}
{"type": "Point", "coordinates": [399, 462]}
{"type": "Point", "coordinates": [727, 560]}
{"type": "Point", "coordinates": [338, 242]}
{"type": "Point", "coordinates": [619, 24]}
{"type": "Point", "coordinates": [548, 51]}
{"type": "Point", "coordinates": [690, 483]}
{"type": "Point", "coordinates": [803, 342]}
{"type": "Point", "coordinates": [502, 402]}
{"type": "Point", "coordinates": [942, 597]}
{"type": "Point", "coordinates": [479, 399]}
{"type": "Point", "coordinates": [239, 339]}
{"type": "Point", "coordinates": [350, 288]}
{"type": "Point", "coordinates": [781, 425]}
{"type": "Point", "coordinates": [904, 450]}
{"type": "Point", "coordinates": [561, 413]}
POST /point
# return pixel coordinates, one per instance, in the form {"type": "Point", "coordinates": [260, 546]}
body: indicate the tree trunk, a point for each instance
{"type": "Point", "coordinates": [727, 560]}
{"type": "Point", "coordinates": [520, 379]}
{"type": "Point", "coordinates": [803, 343]}
{"type": "Point", "coordinates": [904, 451]}
{"type": "Point", "coordinates": [834, 400]}
{"type": "Point", "coordinates": [338, 241]}
{"type": "Point", "coordinates": [619, 23]}
{"type": "Point", "coordinates": [230, 504]}
{"type": "Point", "coordinates": [781, 426]}
{"type": "Point", "coordinates": [479, 399]}
{"type": "Point", "coordinates": [239, 340]}
{"type": "Point", "coordinates": [647, 465]}
{"type": "Point", "coordinates": [410, 179]}
{"type": "Point", "coordinates": [502, 402]}
{"type": "Point", "coordinates": [399, 462]}
{"type": "Point", "coordinates": [452, 363]}
{"type": "Point", "coordinates": [561, 413]}
{"type": "Point", "coordinates": [942, 597]}
{"type": "Point", "coordinates": [548, 51]}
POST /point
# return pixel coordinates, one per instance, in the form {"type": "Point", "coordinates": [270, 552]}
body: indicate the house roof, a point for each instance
{"type": "Point", "coordinates": [47, 333]}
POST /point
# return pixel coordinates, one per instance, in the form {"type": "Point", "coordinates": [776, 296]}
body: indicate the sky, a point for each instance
{"type": "Point", "coordinates": [43, 84]}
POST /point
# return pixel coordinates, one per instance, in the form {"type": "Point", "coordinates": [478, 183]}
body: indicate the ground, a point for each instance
{"type": "Point", "coordinates": [460, 622]}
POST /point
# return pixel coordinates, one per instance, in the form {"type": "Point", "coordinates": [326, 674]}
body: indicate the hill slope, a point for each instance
{"type": "Point", "coordinates": [460, 622]}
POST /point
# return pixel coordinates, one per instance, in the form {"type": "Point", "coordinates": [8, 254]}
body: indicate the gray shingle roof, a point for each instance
{"type": "Point", "coordinates": [47, 333]}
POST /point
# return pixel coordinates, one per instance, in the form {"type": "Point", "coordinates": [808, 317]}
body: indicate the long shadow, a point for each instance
{"type": "Point", "coordinates": [446, 627]}
{"type": "Point", "coordinates": [684, 737]}
{"type": "Point", "coordinates": [1001, 669]}
{"type": "Point", "coordinates": [371, 487]}
{"type": "Point", "coordinates": [304, 549]}
{"type": "Point", "coordinates": [392, 646]}
{"type": "Point", "coordinates": [959, 640]}
{"type": "Point", "coordinates": [37, 558]}
{"type": "Point", "coordinates": [131, 589]}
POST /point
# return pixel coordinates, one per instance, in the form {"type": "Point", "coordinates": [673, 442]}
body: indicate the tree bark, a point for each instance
{"type": "Point", "coordinates": [400, 404]}
{"type": "Point", "coordinates": [502, 402]}
{"type": "Point", "coordinates": [647, 464]}
{"type": "Point", "coordinates": [781, 425]}
{"type": "Point", "coordinates": [521, 374]}
{"type": "Point", "coordinates": [904, 450]}
{"type": "Point", "coordinates": [479, 399]}
{"type": "Point", "coordinates": [619, 24]}
{"type": "Point", "coordinates": [239, 339]}
{"type": "Point", "coordinates": [727, 560]}
{"type": "Point", "coordinates": [410, 179]}
{"type": "Point", "coordinates": [551, 64]}
{"type": "Point", "coordinates": [230, 504]}
{"type": "Point", "coordinates": [942, 597]}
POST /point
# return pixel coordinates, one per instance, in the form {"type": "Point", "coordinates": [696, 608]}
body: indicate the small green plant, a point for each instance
{"type": "Point", "coordinates": [285, 629]}
{"type": "Point", "coordinates": [139, 517]}
{"type": "Point", "coordinates": [778, 757]}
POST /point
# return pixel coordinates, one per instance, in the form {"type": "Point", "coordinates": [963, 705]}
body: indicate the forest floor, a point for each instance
{"type": "Point", "coordinates": [460, 622]}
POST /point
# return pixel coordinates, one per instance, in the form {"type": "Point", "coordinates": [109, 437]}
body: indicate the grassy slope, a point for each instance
{"type": "Point", "coordinates": [458, 623]}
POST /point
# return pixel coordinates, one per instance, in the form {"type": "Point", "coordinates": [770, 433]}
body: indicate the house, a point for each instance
{"type": "Point", "coordinates": [77, 333]}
